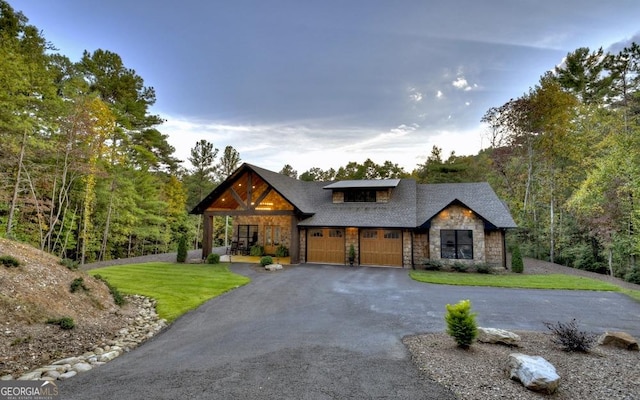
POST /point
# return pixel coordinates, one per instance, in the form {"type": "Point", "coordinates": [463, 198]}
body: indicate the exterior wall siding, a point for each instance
{"type": "Point", "coordinates": [457, 217]}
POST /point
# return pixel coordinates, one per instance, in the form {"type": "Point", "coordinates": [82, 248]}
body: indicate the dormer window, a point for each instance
{"type": "Point", "coordinates": [359, 196]}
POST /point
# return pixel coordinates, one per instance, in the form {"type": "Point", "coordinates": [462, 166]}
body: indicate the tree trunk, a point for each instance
{"type": "Point", "coordinates": [107, 223]}
{"type": "Point", "coordinates": [551, 231]}
{"type": "Point", "coordinates": [16, 187]}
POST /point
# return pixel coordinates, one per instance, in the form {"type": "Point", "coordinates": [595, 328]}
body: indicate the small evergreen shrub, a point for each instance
{"type": "Point", "coordinates": [483, 268]}
{"type": "Point", "coordinates": [570, 338]}
{"type": "Point", "coordinates": [256, 251]}
{"type": "Point", "coordinates": [70, 264]}
{"type": "Point", "coordinates": [266, 260]}
{"type": "Point", "coordinates": [213, 258]}
{"type": "Point", "coordinates": [633, 276]}
{"type": "Point", "coordinates": [432, 265]}
{"type": "Point", "coordinates": [461, 323]}
{"type": "Point", "coordinates": [282, 251]}
{"type": "Point", "coordinates": [77, 284]}
{"type": "Point", "coordinates": [64, 322]}
{"type": "Point", "coordinates": [182, 249]}
{"type": "Point", "coordinates": [9, 261]}
{"type": "Point", "coordinates": [118, 298]}
{"type": "Point", "coordinates": [460, 266]}
{"type": "Point", "coordinates": [517, 265]}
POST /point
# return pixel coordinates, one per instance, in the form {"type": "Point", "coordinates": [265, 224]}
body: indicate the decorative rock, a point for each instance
{"type": "Point", "coordinates": [494, 335]}
{"type": "Point", "coordinates": [29, 376]}
{"type": "Point", "coordinates": [70, 360]}
{"type": "Point", "coordinates": [67, 375]}
{"type": "Point", "coordinates": [273, 267]}
{"type": "Point", "coordinates": [534, 372]}
{"type": "Point", "coordinates": [619, 339]}
{"type": "Point", "coordinates": [52, 374]}
{"type": "Point", "coordinates": [6, 378]}
{"type": "Point", "coordinates": [108, 356]}
{"type": "Point", "coordinates": [82, 367]}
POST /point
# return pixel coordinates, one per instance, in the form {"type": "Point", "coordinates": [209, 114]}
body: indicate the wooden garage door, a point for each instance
{"type": "Point", "coordinates": [325, 245]}
{"type": "Point", "coordinates": [381, 247]}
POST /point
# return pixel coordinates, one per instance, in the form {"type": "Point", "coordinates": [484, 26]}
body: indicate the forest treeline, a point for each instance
{"type": "Point", "coordinates": [87, 174]}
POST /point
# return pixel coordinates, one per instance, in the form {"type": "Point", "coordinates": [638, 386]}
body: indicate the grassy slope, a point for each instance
{"type": "Point", "coordinates": [178, 288]}
{"type": "Point", "coordinates": [551, 281]}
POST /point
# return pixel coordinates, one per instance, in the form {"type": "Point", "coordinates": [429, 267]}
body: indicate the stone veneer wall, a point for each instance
{"type": "Point", "coordinates": [420, 248]}
{"type": "Point", "coordinates": [493, 241]}
{"type": "Point", "coordinates": [457, 217]}
{"type": "Point", "coordinates": [352, 237]}
{"type": "Point", "coordinates": [303, 245]}
{"type": "Point", "coordinates": [406, 248]}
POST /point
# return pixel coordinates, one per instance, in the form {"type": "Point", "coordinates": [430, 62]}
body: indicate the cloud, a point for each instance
{"type": "Point", "coordinates": [308, 144]}
{"type": "Point", "coordinates": [439, 94]}
{"type": "Point", "coordinates": [415, 95]}
{"type": "Point", "coordinates": [462, 84]}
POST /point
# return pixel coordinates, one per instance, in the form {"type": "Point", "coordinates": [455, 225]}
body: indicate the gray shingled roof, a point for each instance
{"type": "Point", "coordinates": [399, 212]}
{"type": "Point", "coordinates": [411, 205]}
{"type": "Point", "coordinates": [364, 184]}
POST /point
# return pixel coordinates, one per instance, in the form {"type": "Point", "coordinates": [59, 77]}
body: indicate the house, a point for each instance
{"type": "Point", "coordinates": [390, 222]}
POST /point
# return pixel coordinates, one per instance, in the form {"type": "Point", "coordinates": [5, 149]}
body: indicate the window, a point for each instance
{"type": "Point", "coordinates": [370, 234]}
{"type": "Point", "coordinates": [335, 233]}
{"type": "Point", "coordinates": [316, 233]}
{"type": "Point", "coordinates": [392, 234]}
{"type": "Point", "coordinates": [456, 244]}
{"type": "Point", "coordinates": [271, 235]}
{"type": "Point", "coordinates": [360, 196]}
{"type": "Point", "coordinates": [247, 235]}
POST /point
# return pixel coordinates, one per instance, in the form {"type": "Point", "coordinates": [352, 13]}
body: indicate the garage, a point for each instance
{"type": "Point", "coordinates": [381, 247]}
{"type": "Point", "coordinates": [326, 245]}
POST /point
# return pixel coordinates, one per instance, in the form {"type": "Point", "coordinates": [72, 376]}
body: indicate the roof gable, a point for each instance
{"type": "Point", "coordinates": [478, 197]}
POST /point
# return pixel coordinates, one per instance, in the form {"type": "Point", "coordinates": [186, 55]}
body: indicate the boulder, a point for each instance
{"type": "Point", "coordinates": [273, 267]}
{"type": "Point", "coordinates": [494, 335]}
{"type": "Point", "coordinates": [534, 372]}
{"type": "Point", "coordinates": [619, 339]}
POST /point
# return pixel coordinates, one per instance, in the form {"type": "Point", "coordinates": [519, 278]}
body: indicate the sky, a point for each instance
{"type": "Point", "coordinates": [325, 82]}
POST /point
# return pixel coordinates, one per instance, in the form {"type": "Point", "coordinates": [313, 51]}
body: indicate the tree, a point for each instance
{"type": "Point", "coordinates": [289, 171]}
{"type": "Point", "coordinates": [582, 74]}
{"type": "Point", "coordinates": [228, 163]}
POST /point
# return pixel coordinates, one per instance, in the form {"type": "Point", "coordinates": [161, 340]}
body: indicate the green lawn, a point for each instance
{"type": "Point", "coordinates": [551, 281]}
{"type": "Point", "coordinates": [178, 288]}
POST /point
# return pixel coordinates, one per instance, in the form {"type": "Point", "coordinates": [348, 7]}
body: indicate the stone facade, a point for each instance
{"type": "Point", "coordinates": [458, 218]}
{"type": "Point", "coordinates": [262, 221]}
{"type": "Point", "coordinates": [494, 248]}
{"type": "Point", "coordinates": [420, 247]}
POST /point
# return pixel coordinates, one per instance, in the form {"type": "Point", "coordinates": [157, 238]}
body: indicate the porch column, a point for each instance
{"type": "Point", "coordinates": [294, 246]}
{"type": "Point", "coordinates": [207, 234]}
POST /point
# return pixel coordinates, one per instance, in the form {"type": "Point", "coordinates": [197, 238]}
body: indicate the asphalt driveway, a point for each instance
{"type": "Point", "coordinates": [325, 332]}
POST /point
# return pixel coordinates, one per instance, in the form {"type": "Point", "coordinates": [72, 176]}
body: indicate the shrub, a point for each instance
{"type": "Point", "coordinates": [69, 263]}
{"type": "Point", "coordinates": [182, 249]}
{"type": "Point", "coordinates": [9, 261]}
{"type": "Point", "coordinates": [256, 251]}
{"type": "Point", "coordinates": [213, 258]}
{"type": "Point", "coordinates": [266, 260]}
{"type": "Point", "coordinates": [461, 323]}
{"type": "Point", "coordinates": [64, 322]}
{"type": "Point", "coordinates": [570, 338]}
{"type": "Point", "coordinates": [77, 284]}
{"type": "Point", "coordinates": [282, 251]}
{"type": "Point", "coordinates": [483, 268]}
{"type": "Point", "coordinates": [460, 266]}
{"type": "Point", "coordinates": [432, 265]}
{"type": "Point", "coordinates": [633, 276]}
{"type": "Point", "coordinates": [118, 298]}
{"type": "Point", "coordinates": [517, 265]}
